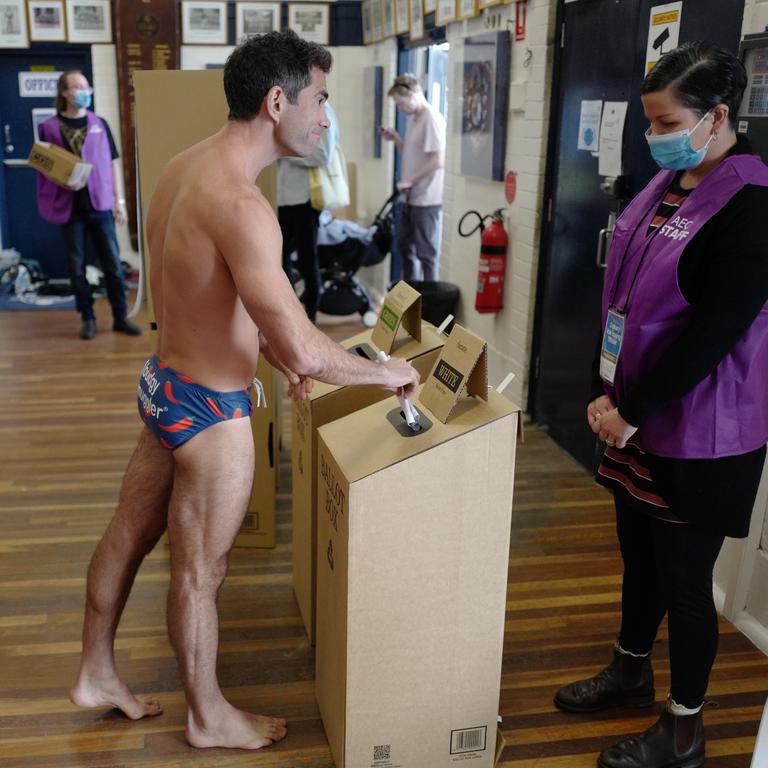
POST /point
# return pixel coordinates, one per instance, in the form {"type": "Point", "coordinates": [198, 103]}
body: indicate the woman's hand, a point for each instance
{"type": "Point", "coordinates": [597, 408]}
{"type": "Point", "coordinates": [612, 429]}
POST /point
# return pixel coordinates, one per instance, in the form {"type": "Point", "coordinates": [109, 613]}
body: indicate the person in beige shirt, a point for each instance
{"type": "Point", "coordinates": [221, 298]}
{"type": "Point", "coordinates": [423, 157]}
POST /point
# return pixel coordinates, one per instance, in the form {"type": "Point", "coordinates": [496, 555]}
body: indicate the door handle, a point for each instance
{"type": "Point", "coordinates": [7, 134]}
{"type": "Point", "coordinates": [602, 240]}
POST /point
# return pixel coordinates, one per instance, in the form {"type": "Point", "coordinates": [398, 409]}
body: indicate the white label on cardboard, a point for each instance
{"type": "Point", "coordinates": [463, 364]}
{"type": "Point", "coordinates": [402, 306]}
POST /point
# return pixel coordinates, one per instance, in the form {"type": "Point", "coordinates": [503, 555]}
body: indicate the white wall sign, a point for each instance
{"type": "Point", "coordinates": [38, 85]}
{"type": "Point", "coordinates": [611, 138]}
{"type": "Point", "coordinates": [589, 125]}
{"type": "Point", "coordinates": [663, 32]}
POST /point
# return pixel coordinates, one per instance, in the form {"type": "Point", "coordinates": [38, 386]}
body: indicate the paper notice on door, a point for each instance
{"type": "Point", "coordinates": [663, 32]}
{"type": "Point", "coordinates": [589, 125]}
{"type": "Point", "coordinates": [611, 135]}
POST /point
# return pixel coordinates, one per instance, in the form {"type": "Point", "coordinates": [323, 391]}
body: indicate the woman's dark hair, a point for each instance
{"type": "Point", "coordinates": [702, 75]}
{"type": "Point", "coordinates": [263, 61]}
{"type": "Point", "coordinates": [60, 102]}
{"type": "Point", "coordinates": [404, 85]}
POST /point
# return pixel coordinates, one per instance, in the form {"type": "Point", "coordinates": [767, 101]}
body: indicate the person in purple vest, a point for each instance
{"type": "Point", "coordinates": [92, 208]}
{"type": "Point", "coordinates": [684, 405]}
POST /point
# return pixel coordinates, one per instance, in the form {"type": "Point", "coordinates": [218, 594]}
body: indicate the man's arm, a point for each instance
{"type": "Point", "coordinates": [248, 237]}
{"type": "Point", "coordinates": [118, 209]}
{"type": "Point", "coordinates": [433, 164]}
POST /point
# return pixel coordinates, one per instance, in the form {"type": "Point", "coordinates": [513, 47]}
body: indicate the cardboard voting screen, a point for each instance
{"type": "Point", "coordinates": [463, 363]}
{"type": "Point", "coordinates": [402, 307]}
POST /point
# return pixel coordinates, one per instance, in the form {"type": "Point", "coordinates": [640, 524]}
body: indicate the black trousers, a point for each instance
{"type": "Point", "coordinates": [299, 224]}
{"type": "Point", "coordinates": [101, 227]}
{"type": "Point", "coordinates": [668, 569]}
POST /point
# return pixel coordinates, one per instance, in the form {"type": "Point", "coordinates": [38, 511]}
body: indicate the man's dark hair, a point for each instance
{"type": "Point", "coordinates": [702, 75]}
{"type": "Point", "coordinates": [263, 61]}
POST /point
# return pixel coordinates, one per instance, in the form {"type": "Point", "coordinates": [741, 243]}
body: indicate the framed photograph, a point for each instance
{"type": "Point", "coordinates": [488, 3]}
{"type": "Point", "coordinates": [467, 9]}
{"type": "Point", "coordinates": [203, 23]}
{"type": "Point", "coordinates": [402, 17]}
{"type": "Point", "coordinates": [256, 19]}
{"type": "Point", "coordinates": [377, 20]}
{"type": "Point", "coordinates": [310, 21]}
{"type": "Point", "coordinates": [13, 24]}
{"type": "Point", "coordinates": [429, 6]}
{"type": "Point", "coordinates": [417, 19]}
{"type": "Point", "coordinates": [388, 10]}
{"type": "Point", "coordinates": [485, 91]}
{"type": "Point", "coordinates": [89, 21]}
{"type": "Point", "coordinates": [446, 12]}
{"type": "Point", "coordinates": [46, 20]}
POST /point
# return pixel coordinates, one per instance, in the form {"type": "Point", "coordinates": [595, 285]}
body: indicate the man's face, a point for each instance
{"type": "Point", "coordinates": [406, 104]}
{"type": "Point", "coordinates": [304, 122]}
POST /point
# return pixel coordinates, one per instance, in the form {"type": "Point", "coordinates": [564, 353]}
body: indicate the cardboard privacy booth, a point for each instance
{"type": "Point", "coordinates": [58, 164]}
{"type": "Point", "coordinates": [399, 332]}
{"type": "Point", "coordinates": [413, 552]}
{"type": "Point", "coordinates": [258, 529]}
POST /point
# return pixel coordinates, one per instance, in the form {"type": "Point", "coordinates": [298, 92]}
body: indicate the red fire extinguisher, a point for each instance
{"type": "Point", "coordinates": [493, 260]}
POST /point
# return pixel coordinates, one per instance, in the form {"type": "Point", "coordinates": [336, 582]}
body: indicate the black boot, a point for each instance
{"type": "Point", "coordinates": [674, 741]}
{"type": "Point", "coordinates": [88, 328]}
{"type": "Point", "coordinates": [124, 325]}
{"type": "Point", "coordinates": [626, 682]}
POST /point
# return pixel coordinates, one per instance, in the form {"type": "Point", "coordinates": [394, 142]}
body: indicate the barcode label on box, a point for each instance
{"type": "Point", "coordinates": [468, 740]}
{"type": "Point", "coordinates": [381, 752]}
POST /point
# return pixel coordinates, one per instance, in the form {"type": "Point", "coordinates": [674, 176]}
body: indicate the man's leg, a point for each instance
{"type": "Point", "coordinates": [406, 245]}
{"type": "Point", "coordinates": [134, 530]}
{"type": "Point", "coordinates": [101, 225]}
{"type": "Point", "coordinates": [74, 240]}
{"type": "Point", "coordinates": [212, 485]}
{"type": "Point", "coordinates": [426, 221]}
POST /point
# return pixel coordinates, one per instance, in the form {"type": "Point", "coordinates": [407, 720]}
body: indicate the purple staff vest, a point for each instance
{"type": "Point", "coordinates": [726, 413]}
{"type": "Point", "coordinates": [54, 202]}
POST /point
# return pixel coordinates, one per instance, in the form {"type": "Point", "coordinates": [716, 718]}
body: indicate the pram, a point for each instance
{"type": "Point", "coordinates": [343, 293]}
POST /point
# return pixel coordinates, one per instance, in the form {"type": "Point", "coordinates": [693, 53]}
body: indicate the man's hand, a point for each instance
{"type": "Point", "coordinates": [119, 212]}
{"type": "Point", "coordinates": [390, 134]}
{"type": "Point", "coordinates": [301, 389]}
{"type": "Point", "coordinates": [74, 187]}
{"type": "Point", "coordinates": [401, 374]}
{"type": "Point", "coordinates": [403, 185]}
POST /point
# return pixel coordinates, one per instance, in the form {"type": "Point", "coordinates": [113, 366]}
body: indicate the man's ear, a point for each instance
{"type": "Point", "coordinates": [274, 102]}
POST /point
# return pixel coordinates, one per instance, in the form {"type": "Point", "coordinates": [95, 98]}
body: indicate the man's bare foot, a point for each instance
{"type": "Point", "coordinates": [235, 729]}
{"type": "Point", "coordinates": [112, 692]}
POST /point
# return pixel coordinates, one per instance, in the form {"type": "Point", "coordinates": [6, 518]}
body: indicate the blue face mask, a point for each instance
{"type": "Point", "coordinates": [83, 99]}
{"type": "Point", "coordinates": [674, 151]}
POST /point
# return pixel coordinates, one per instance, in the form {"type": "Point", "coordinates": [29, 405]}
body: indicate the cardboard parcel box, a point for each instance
{"type": "Point", "coordinates": [258, 529]}
{"type": "Point", "coordinates": [58, 164]}
{"type": "Point", "coordinates": [399, 332]}
{"type": "Point", "coordinates": [413, 552]}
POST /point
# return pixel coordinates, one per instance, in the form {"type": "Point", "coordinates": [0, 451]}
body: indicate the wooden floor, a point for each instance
{"type": "Point", "coordinates": [67, 428]}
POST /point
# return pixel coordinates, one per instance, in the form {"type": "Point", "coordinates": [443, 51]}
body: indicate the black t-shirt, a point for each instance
{"type": "Point", "coordinates": [73, 132]}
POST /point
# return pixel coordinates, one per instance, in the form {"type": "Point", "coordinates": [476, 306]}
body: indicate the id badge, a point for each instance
{"type": "Point", "coordinates": [611, 348]}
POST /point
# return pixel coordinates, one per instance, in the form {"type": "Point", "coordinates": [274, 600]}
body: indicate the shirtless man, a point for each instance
{"type": "Point", "coordinates": [221, 296]}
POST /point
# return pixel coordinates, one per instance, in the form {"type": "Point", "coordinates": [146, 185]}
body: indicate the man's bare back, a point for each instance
{"type": "Point", "coordinates": [204, 329]}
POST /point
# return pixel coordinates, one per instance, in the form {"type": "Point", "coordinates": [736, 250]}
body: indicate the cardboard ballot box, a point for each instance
{"type": "Point", "coordinates": [413, 551]}
{"type": "Point", "coordinates": [58, 164]}
{"type": "Point", "coordinates": [258, 529]}
{"type": "Point", "coordinates": [399, 332]}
